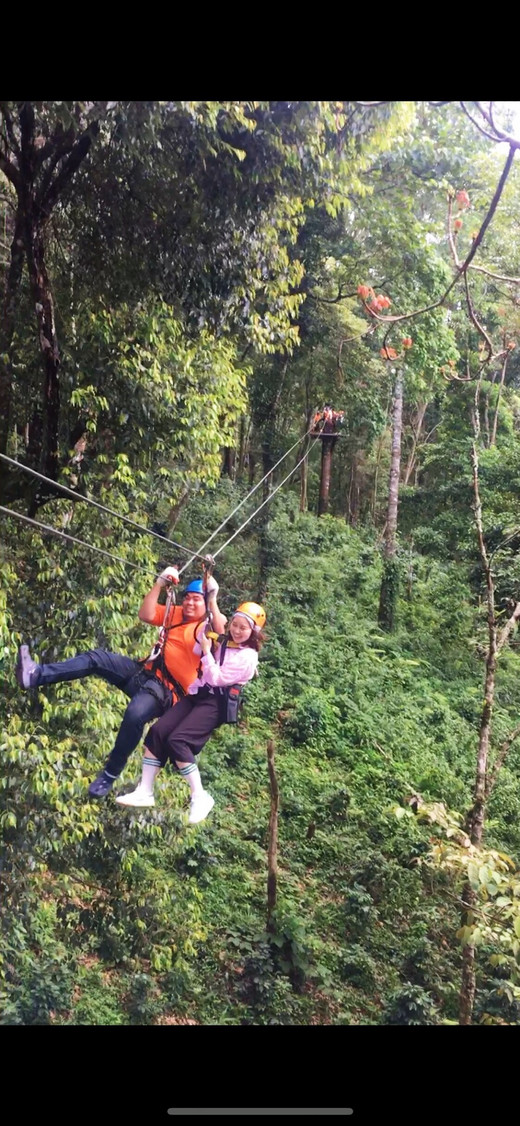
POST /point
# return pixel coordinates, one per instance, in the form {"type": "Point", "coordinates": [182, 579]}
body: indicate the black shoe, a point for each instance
{"type": "Point", "coordinates": [101, 786]}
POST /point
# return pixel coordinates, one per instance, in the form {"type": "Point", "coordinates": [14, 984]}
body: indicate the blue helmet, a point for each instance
{"type": "Point", "coordinates": [196, 587]}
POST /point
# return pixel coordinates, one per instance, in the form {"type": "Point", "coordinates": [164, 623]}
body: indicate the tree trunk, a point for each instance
{"type": "Point", "coordinates": [263, 545]}
{"type": "Point", "coordinates": [416, 431]}
{"type": "Point", "coordinates": [380, 447]}
{"type": "Point", "coordinates": [389, 583]}
{"type": "Point", "coordinates": [177, 508]}
{"type": "Point", "coordinates": [43, 301]}
{"type": "Point", "coordinates": [486, 418]}
{"type": "Point", "coordinates": [267, 465]}
{"type": "Point", "coordinates": [500, 389]}
{"type": "Point", "coordinates": [272, 863]}
{"type": "Point", "coordinates": [468, 982]}
{"type": "Point", "coordinates": [304, 477]}
{"type": "Point", "coordinates": [304, 468]}
{"type": "Point", "coordinates": [38, 188]}
{"type": "Point", "coordinates": [243, 442]}
{"type": "Point", "coordinates": [483, 782]}
{"type": "Point", "coordinates": [228, 468]}
{"type": "Point", "coordinates": [14, 277]}
{"type": "Point", "coordinates": [353, 492]}
{"type": "Point", "coordinates": [327, 447]}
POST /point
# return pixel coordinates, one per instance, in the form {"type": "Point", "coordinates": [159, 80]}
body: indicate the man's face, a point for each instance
{"type": "Point", "coordinates": [193, 606]}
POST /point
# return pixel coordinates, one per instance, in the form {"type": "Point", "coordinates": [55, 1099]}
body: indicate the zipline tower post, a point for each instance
{"type": "Point", "coordinates": [327, 447]}
{"type": "Point", "coordinates": [326, 426]}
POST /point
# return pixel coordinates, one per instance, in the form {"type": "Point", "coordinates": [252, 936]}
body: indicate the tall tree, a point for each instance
{"type": "Point", "coordinates": [389, 583]}
{"type": "Point", "coordinates": [40, 152]}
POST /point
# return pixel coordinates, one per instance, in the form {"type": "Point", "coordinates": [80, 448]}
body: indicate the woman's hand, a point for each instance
{"type": "Point", "coordinates": [205, 645]}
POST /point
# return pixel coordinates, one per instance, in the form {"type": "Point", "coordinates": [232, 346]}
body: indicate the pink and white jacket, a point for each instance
{"type": "Point", "coordinates": [239, 666]}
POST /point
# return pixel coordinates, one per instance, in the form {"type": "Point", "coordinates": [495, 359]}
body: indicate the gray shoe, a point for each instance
{"type": "Point", "coordinates": [26, 669]}
{"type": "Point", "coordinates": [101, 786]}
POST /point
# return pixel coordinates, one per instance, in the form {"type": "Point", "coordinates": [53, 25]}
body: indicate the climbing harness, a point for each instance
{"type": "Point", "coordinates": [156, 659]}
{"type": "Point", "coordinates": [230, 697]}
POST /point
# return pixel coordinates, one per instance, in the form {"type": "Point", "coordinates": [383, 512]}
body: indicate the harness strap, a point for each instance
{"type": "Point", "coordinates": [156, 657]}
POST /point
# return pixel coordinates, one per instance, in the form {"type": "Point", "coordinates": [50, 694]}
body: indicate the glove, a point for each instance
{"type": "Point", "coordinates": [212, 587]}
{"type": "Point", "coordinates": [169, 575]}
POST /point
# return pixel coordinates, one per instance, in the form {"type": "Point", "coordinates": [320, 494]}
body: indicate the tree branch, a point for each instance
{"type": "Point", "coordinates": [490, 274]}
{"type": "Point", "coordinates": [389, 320]}
{"type": "Point", "coordinates": [26, 126]}
{"type": "Point", "coordinates": [6, 113]}
{"type": "Point", "coordinates": [478, 518]}
{"type": "Point", "coordinates": [502, 380]}
{"type": "Point", "coordinates": [9, 170]}
{"type": "Point", "coordinates": [473, 318]}
{"type": "Point", "coordinates": [331, 300]}
{"type": "Point", "coordinates": [349, 339]}
{"type": "Point", "coordinates": [58, 145]}
{"type": "Point", "coordinates": [484, 132]}
{"type": "Point", "coordinates": [509, 626]}
{"type": "Point", "coordinates": [70, 166]}
{"type": "Point", "coordinates": [492, 207]}
{"type": "Point", "coordinates": [500, 759]}
{"type": "Point", "coordinates": [499, 134]}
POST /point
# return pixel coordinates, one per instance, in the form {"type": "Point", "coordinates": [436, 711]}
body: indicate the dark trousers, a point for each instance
{"type": "Point", "coordinates": [185, 728]}
{"type": "Point", "coordinates": [149, 697]}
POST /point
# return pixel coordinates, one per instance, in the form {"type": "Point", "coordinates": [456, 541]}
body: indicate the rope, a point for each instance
{"type": "Point", "coordinates": [140, 527]}
{"type": "Point", "coordinates": [249, 494]}
{"type": "Point", "coordinates": [266, 501]}
{"type": "Point", "coordinates": [95, 503]}
{"type": "Point", "coordinates": [89, 546]}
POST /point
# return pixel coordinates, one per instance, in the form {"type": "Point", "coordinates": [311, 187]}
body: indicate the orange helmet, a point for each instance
{"type": "Point", "coordinates": [254, 613]}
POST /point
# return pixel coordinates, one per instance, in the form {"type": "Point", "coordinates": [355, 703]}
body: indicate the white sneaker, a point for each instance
{"type": "Point", "coordinates": [138, 797]}
{"type": "Point", "coordinates": [200, 806]}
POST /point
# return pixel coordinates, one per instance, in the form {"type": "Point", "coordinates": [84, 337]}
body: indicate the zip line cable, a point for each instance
{"type": "Point", "coordinates": [117, 558]}
{"type": "Point", "coordinates": [249, 494]}
{"type": "Point", "coordinates": [95, 503]}
{"type": "Point", "coordinates": [266, 501]}
{"type": "Point", "coordinates": [90, 546]}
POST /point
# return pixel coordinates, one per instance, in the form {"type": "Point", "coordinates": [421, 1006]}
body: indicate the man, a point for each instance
{"type": "Point", "coordinates": [153, 685]}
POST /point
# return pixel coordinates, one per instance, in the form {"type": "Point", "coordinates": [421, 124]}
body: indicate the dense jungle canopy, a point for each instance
{"type": "Point", "coordinates": [184, 285]}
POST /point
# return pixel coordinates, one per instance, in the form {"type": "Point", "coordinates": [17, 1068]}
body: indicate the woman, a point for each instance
{"type": "Point", "coordinates": [185, 729]}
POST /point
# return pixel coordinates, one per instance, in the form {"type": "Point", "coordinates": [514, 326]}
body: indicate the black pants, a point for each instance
{"type": "Point", "coordinates": [149, 697]}
{"type": "Point", "coordinates": [183, 731]}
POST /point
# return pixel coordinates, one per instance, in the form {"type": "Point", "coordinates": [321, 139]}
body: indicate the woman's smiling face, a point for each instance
{"type": "Point", "coordinates": [240, 629]}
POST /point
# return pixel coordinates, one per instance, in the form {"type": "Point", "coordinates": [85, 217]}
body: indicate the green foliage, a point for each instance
{"type": "Point", "coordinates": [98, 1001]}
{"type": "Point", "coordinates": [314, 720]}
{"type": "Point", "coordinates": [199, 236]}
{"type": "Point", "coordinates": [167, 401]}
{"type": "Point", "coordinates": [183, 912]}
{"type": "Point", "coordinates": [411, 1005]}
{"type": "Point", "coordinates": [358, 968]}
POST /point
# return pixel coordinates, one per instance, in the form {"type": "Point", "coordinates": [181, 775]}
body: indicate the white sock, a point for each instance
{"type": "Point", "coordinates": [151, 768]}
{"type": "Point", "coordinates": [192, 775]}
